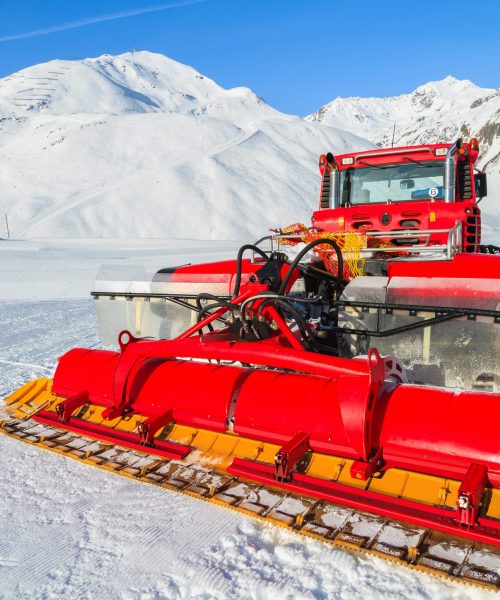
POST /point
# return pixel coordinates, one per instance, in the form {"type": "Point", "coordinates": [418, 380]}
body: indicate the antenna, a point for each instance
{"type": "Point", "coordinates": [393, 134]}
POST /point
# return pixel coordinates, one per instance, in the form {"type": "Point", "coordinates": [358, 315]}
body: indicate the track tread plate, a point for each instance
{"type": "Point", "coordinates": [434, 552]}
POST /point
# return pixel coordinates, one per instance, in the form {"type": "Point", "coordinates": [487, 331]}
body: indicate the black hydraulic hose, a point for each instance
{"type": "Point", "coordinates": [209, 307]}
{"type": "Point", "coordinates": [303, 252]}
{"type": "Point", "coordinates": [206, 296]}
{"type": "Point", "coordinates": [401, 328]}
{"type": "Point", "coordinates": [295, 299]}
{"type": "Point", "coordinates": [298, 318]}
{"type": "Point", "coordinates": [239, 263]}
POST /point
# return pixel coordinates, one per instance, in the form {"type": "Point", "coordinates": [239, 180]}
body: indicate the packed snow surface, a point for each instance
{"type": "Point", "coordinates": [70, 531]}
{"type": "Point", "coordinates": [139, 145]}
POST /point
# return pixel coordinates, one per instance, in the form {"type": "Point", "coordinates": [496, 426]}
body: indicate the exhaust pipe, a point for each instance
{"type": "Point", "coordinates": [449, 171]}
{"type": "Point", "coordinates": [334, 200]}
{"type": "Point", "coordinates": [335, 189]}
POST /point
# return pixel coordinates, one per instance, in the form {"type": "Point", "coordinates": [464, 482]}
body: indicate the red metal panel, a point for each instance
{"type": "Point", "coordinates": [81, 370]}
{"type": "Point", "coordinates": [288, 455]}
{"type": "Point", "coordinates": [222, 273]}
{"type": "Point", "coordinates": [441, 431]}
{"type": "Point", "coordinates": [214, 272]}
{"type": "Point", "coordinates": [386, 156]}
{"type": "Point", "coordinates": [395, 155]}
{"type": "Point", "coordinates": [470, 280]}
{"type": "Point", "coordinates": [130, 440]}
{"type": "Point", "coordinates": [65, 409]}
{"type": "Point", "coordinates": [368, 217]}
{"type": "Point", "coordinates": [470, 494]}
{"type": "Point", "coordinates": [463, 265]}
{"type": "Point", "coordinates": [274, 406]}
{"type": "Point", "coordinates": [199, 394]}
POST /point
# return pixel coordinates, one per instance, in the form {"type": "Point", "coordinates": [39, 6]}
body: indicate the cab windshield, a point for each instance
{"type": "Point", "coordinates": [392, 183]}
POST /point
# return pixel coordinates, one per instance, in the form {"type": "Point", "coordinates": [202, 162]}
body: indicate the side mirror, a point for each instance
{"type": "Point", "coordinates": [481, 185]}
{"type": "Point", "coordinates": [407, 184]}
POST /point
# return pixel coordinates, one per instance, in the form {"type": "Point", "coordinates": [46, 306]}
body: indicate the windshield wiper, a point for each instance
{"type": "Point", "coordinates": [418, 162]}
{"type": "Point", "coordinates": [363, 162]}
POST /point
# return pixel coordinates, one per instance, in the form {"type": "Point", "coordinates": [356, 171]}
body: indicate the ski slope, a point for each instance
{"type": "Point", "coordinates": [70, 531]}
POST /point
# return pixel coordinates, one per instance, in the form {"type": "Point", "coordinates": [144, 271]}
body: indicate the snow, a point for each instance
{"type": "Point", "coordinates": [70, 531]}
{"type": "Point", "coordinates": [48, 270]}
{"type": "Point", "coordinates": [139, 145]}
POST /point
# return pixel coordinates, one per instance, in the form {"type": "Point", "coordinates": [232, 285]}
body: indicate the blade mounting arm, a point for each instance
{"type": "Point", "coordinates": [288, 455]}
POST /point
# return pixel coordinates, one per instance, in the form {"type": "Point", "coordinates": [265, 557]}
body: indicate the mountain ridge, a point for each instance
{"type": "Point", "coordinates": [139, 145]}
{"type": "Point", "coordinates": [437, 111]}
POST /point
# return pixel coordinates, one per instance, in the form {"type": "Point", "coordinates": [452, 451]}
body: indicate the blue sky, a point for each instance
{"type": "Point", "coordinates": [297, 55]}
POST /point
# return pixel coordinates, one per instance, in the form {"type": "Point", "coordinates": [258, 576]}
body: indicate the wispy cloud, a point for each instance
{"type": "Point", "coordinates": [98, 19]}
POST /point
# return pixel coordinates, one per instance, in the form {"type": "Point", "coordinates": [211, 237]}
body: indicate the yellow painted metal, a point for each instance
{"type": "Point", "coordinates": [219, 449]}
{"type": "Point", "coordinates": [31, 398]}
{"type": "Point", "coordinates": [412, 553]}
{"type": "Point", "coordinates": [394, 482]}
{"type": "Point", "coordinates": [321, 466]}
{"type": "Point", "coordinates": [494, 504]}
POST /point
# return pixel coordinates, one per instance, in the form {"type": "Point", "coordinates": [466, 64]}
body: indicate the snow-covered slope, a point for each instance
{"type": "Point", "coordinates": [139, 145]}
{"type": "Point", "coordinates": [439, 111]}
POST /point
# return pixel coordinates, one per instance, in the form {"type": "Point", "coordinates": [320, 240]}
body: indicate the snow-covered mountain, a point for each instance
{"type": "Point", "coordinates": [139, 145]}
{"type": "Point", "coordinates": [439, 111]}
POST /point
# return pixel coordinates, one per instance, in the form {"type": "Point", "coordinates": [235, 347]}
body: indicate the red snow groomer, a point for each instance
{"type": "Point", "coordinates": [349, 393]}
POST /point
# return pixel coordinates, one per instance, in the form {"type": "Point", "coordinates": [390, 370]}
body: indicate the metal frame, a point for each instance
{"type": "Point", "coordinates": [437, 314]}
{"type": "Point", "coordinates": [431, 252]}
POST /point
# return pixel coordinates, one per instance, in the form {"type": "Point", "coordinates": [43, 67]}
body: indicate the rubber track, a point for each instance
{"type": "Point", "coordinates": [417, 548]}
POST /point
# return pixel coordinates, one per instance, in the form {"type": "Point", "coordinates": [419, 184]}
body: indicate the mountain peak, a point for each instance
{"type": "Point", "coordinates": [132, 82]}
{"type": "Point", "coordinates": [449, 85]}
